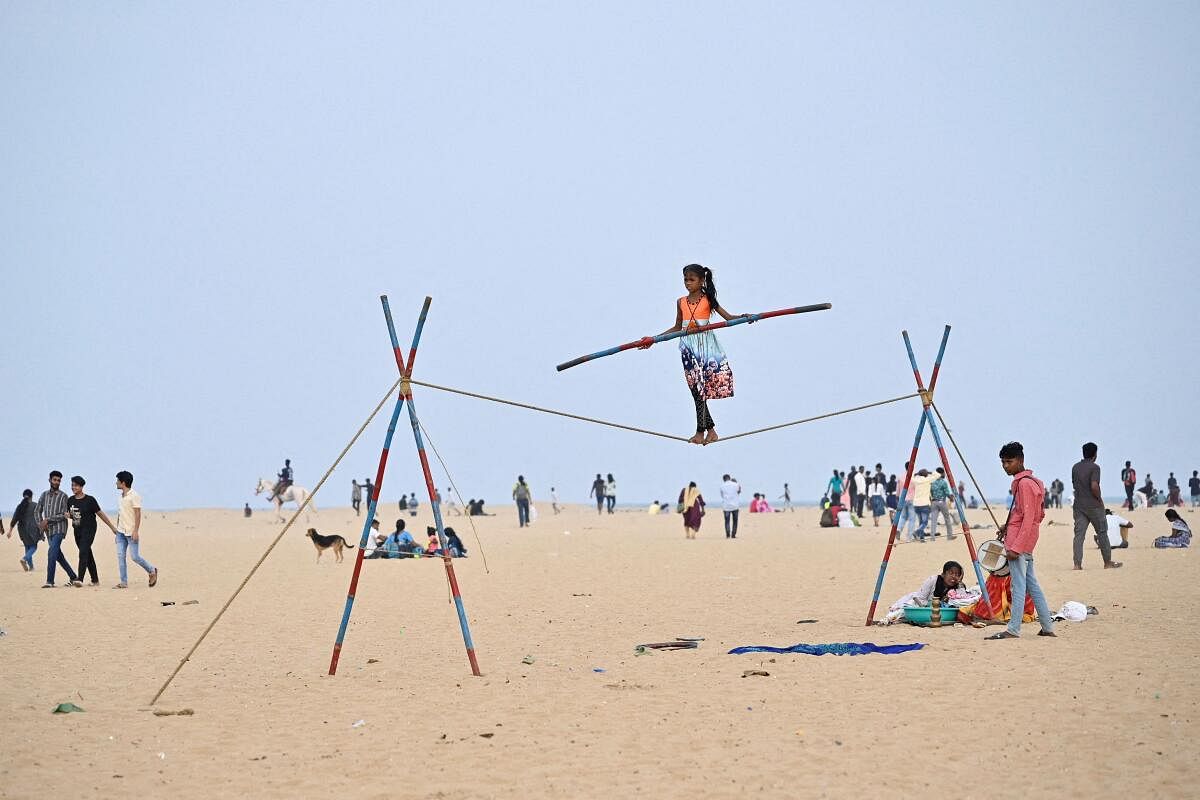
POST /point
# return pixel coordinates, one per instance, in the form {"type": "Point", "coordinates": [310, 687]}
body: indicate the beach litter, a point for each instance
{"type": "Point", "coordinates": [191, 603]}
{"type": "Point", "coordinates": [751, 673]}
{"type": "Point", "coordinates": [805, 621]}
{"type": "Point", "coordinates": [66, 708]}
{"type": "Point", "coordinates": [599, 669]}
{"type": "Point", "coordinates": [527, 660]}
{"type": "Point", "coordinates": [359, 724]}
{"type": "Point", "coordinates": [679, 644]}
{"type": "Point", "coordinates": [183, 712]}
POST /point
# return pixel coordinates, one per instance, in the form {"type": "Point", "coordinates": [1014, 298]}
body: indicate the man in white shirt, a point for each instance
{"type": "Point", "coordinates": [730, 491]}
{"type": "Point", "coordinates": [860, 489]}
{"type": "Point", "coordinates": [1118, 530]}
{"type": "Point", "coordinates": [129, 525]}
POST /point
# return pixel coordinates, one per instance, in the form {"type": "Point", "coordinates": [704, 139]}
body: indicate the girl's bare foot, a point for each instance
{"type": "Point", "coordinates": [711, 436]}
{"type": "Point", "coordinates": [697, 439]}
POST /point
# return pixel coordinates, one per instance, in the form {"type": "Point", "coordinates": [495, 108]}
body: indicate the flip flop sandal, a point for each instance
{"type": "Point", "coordinates": [1001, 635]}
{"type": "Point", "coordinates": [1048, 633]}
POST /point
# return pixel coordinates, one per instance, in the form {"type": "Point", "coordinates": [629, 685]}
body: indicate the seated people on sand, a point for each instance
{"type": "Point", "coordinates": [946, 585]}
{"type": "Point", "coordinates": [372, 545]}
{"type": "Point", "coordinates": [475, 509]}
{"type": "Point", "coordinates": [457, 550]}
{"type": "Point", "coordinates": [1181, 534]}
{"type": "Point", "coordinates": [433, 547]}
{"type": "Point", "coordinates": [759, 504]}
{"type": "Point", "coordinates": [401, 543]}
{"type": "Point", "coordinates": [999, 591]}
{"type": "Point", "coordinates": [1118, 530]}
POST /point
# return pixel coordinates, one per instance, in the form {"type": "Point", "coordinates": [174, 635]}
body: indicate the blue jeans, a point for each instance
{"type": "Point", "coordinates": [56, 557]}
{"type": "Point", "coordinates": [29, 551]}
{"type": "Point", "coordinates": [1023, 580]}
{"type": "Point", "coordinates": [126, 542]}
{"type": "Point", "coordinates": [731, 518]}
{"type": "Point", "coordinates": [522, 513]}
{"type": "Point", "coordinates": [905, 516]}
{"type": "Point", "coordinates": [922, 520]}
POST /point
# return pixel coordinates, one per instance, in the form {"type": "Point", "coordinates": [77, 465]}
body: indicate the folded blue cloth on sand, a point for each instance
{"type": "Point", "coordinates": [837, 649]}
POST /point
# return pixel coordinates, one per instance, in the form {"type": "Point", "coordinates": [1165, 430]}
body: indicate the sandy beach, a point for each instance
{"type": "Point", "coordinates": [1108, 709]}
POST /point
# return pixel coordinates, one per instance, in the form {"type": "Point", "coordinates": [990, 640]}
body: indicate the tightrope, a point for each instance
{"type": "Point", "coordinates": [659, 434]}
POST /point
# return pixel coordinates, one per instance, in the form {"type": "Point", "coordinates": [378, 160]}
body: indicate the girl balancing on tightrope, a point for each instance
{"type": "Point", "coordinates": [705, 367]}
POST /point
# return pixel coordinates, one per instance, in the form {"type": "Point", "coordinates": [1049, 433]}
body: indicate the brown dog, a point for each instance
{"type": "Point", "coordinates": [323, 543]}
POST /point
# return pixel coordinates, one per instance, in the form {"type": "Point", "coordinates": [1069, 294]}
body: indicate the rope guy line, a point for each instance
{"type": "Point", "coordinates": [271, 547]}
{"type": "Point", "coordinates": [963, 461]}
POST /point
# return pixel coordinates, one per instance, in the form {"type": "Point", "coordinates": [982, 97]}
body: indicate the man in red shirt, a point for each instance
{"type": "Point", "coordinates": [1020, 535]}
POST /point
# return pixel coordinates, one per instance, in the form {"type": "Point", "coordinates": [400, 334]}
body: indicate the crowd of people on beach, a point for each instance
{"type": "Point", "coordinates": [47, 518]}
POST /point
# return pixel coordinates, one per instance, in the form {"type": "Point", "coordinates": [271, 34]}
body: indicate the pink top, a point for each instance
{"type": "Point", "coordinates": [1027, 513]}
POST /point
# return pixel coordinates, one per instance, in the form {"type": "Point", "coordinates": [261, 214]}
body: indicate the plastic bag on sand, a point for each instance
{"type": "Point", "coordinates": [1072, 610]}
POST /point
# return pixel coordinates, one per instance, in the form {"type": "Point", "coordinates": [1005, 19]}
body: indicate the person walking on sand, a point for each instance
{"type": "Point", "coordinates": [939, 497]}
{"type": "Point", "coordinates": [692, 503]}
{"type": "Point", "coordinates": [554, 501]}
{"type": "Point", "coordinates": [412, 504]}
{"type": "Point", "coordinates": [521, 494]}
{"type": "Point", "coordinates": [24, 521]}
{"type": "Point", "coordinates": [598, 492]}
{"type": "Point", "coordinates": [128, 534]}
{"type": "Point", "coordinates": [355, 496]}
{"type": "Point", "coordinates": [1088, 506]}
{"type": "Point", "coordinates": [1194, 487]}
{"type": "Point", "coordinates": [1020, 534]}
{"type": "Point", "coordinates": [51, 511]}
{"type": "Point", "coordinates": [731, 492]}
{"type": "Point", "coordinates": [786, 497]}
{"type": "Point", "coordinates": [610, 493]}
{"type": "Point", "coordinates": [83, 510]}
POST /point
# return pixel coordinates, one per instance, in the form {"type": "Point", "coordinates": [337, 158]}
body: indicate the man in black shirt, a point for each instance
{"type": "Point", "coordinates": [83, 510]}
{"type": "Point", "coordinates": [1194, 485]}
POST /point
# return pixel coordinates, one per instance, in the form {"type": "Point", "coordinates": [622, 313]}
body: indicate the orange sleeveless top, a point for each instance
{"type": "Point", "coordinates": [694, 315]}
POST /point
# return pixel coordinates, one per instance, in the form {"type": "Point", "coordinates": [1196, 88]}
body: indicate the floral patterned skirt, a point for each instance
{"type": "Point", "coordinates": [705, 366]}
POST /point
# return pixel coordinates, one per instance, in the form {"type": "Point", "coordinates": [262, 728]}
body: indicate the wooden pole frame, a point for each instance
{"type": "Point", "coordinates": [926, 419]}
{"type": "Point", "coordinates": [406, 397]}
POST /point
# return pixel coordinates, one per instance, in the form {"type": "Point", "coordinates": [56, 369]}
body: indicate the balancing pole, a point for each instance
{"type": "Point", "coordinates": [406, 393]}
{"type": "Point", "coordinates": [372, 503]}
{"type": "Point", "coordinates": [926, 402]}
{"type": "Point", "coordinates": [912, 465]}
{"type": "Point", "coordinates": [662, 337]}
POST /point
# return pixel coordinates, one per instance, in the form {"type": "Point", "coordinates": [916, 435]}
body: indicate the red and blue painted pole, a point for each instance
{"type": "Point", "coordinates": [912, 464]}
{"type": "Point", "coordinates": [926, 402]}
{"type": "Point", "coordinates": [662, 337]}
{"type": "Point", "coordinates": [406, 393]}
{"type": "Point", "coordinates": [372, 503]}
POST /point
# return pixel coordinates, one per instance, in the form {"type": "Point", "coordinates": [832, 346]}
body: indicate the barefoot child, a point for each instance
{"type": "Point", "coordinates": [705, 367]}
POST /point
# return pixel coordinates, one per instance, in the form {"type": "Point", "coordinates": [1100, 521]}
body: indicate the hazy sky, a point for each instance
{"type": "Point", "coordinates": [201, 203]}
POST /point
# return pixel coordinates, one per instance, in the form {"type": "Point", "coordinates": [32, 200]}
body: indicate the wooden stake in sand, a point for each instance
{"type": "Point", "coordinates": [271, 547]}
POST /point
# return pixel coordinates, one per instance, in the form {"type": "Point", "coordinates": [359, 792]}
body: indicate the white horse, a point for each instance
{"type": "Point", "coordinates": [292, 494]}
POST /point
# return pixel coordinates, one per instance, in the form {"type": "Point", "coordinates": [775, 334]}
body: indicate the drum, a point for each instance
{"type": "Point", "coordinates": [992, 557]}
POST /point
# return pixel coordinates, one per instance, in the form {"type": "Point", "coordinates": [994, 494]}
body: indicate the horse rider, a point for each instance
{"type": "Point", "coordinates": [285, 480]}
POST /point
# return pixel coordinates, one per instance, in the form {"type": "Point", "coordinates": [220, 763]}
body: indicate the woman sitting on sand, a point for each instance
{"type": "Point", "coordinates": [942, 586]}
{"type": "Point", "coordinates": [692, 503]}
{"type": "Point", "coordinates": [1181, 534]}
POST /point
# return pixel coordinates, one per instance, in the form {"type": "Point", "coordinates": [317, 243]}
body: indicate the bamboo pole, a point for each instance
{"type": "Point", "coordinates": [663, 337]}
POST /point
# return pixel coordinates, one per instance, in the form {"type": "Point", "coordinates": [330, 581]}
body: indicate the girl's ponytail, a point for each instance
{"type": "Point", "coordinates": [710, 288]}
